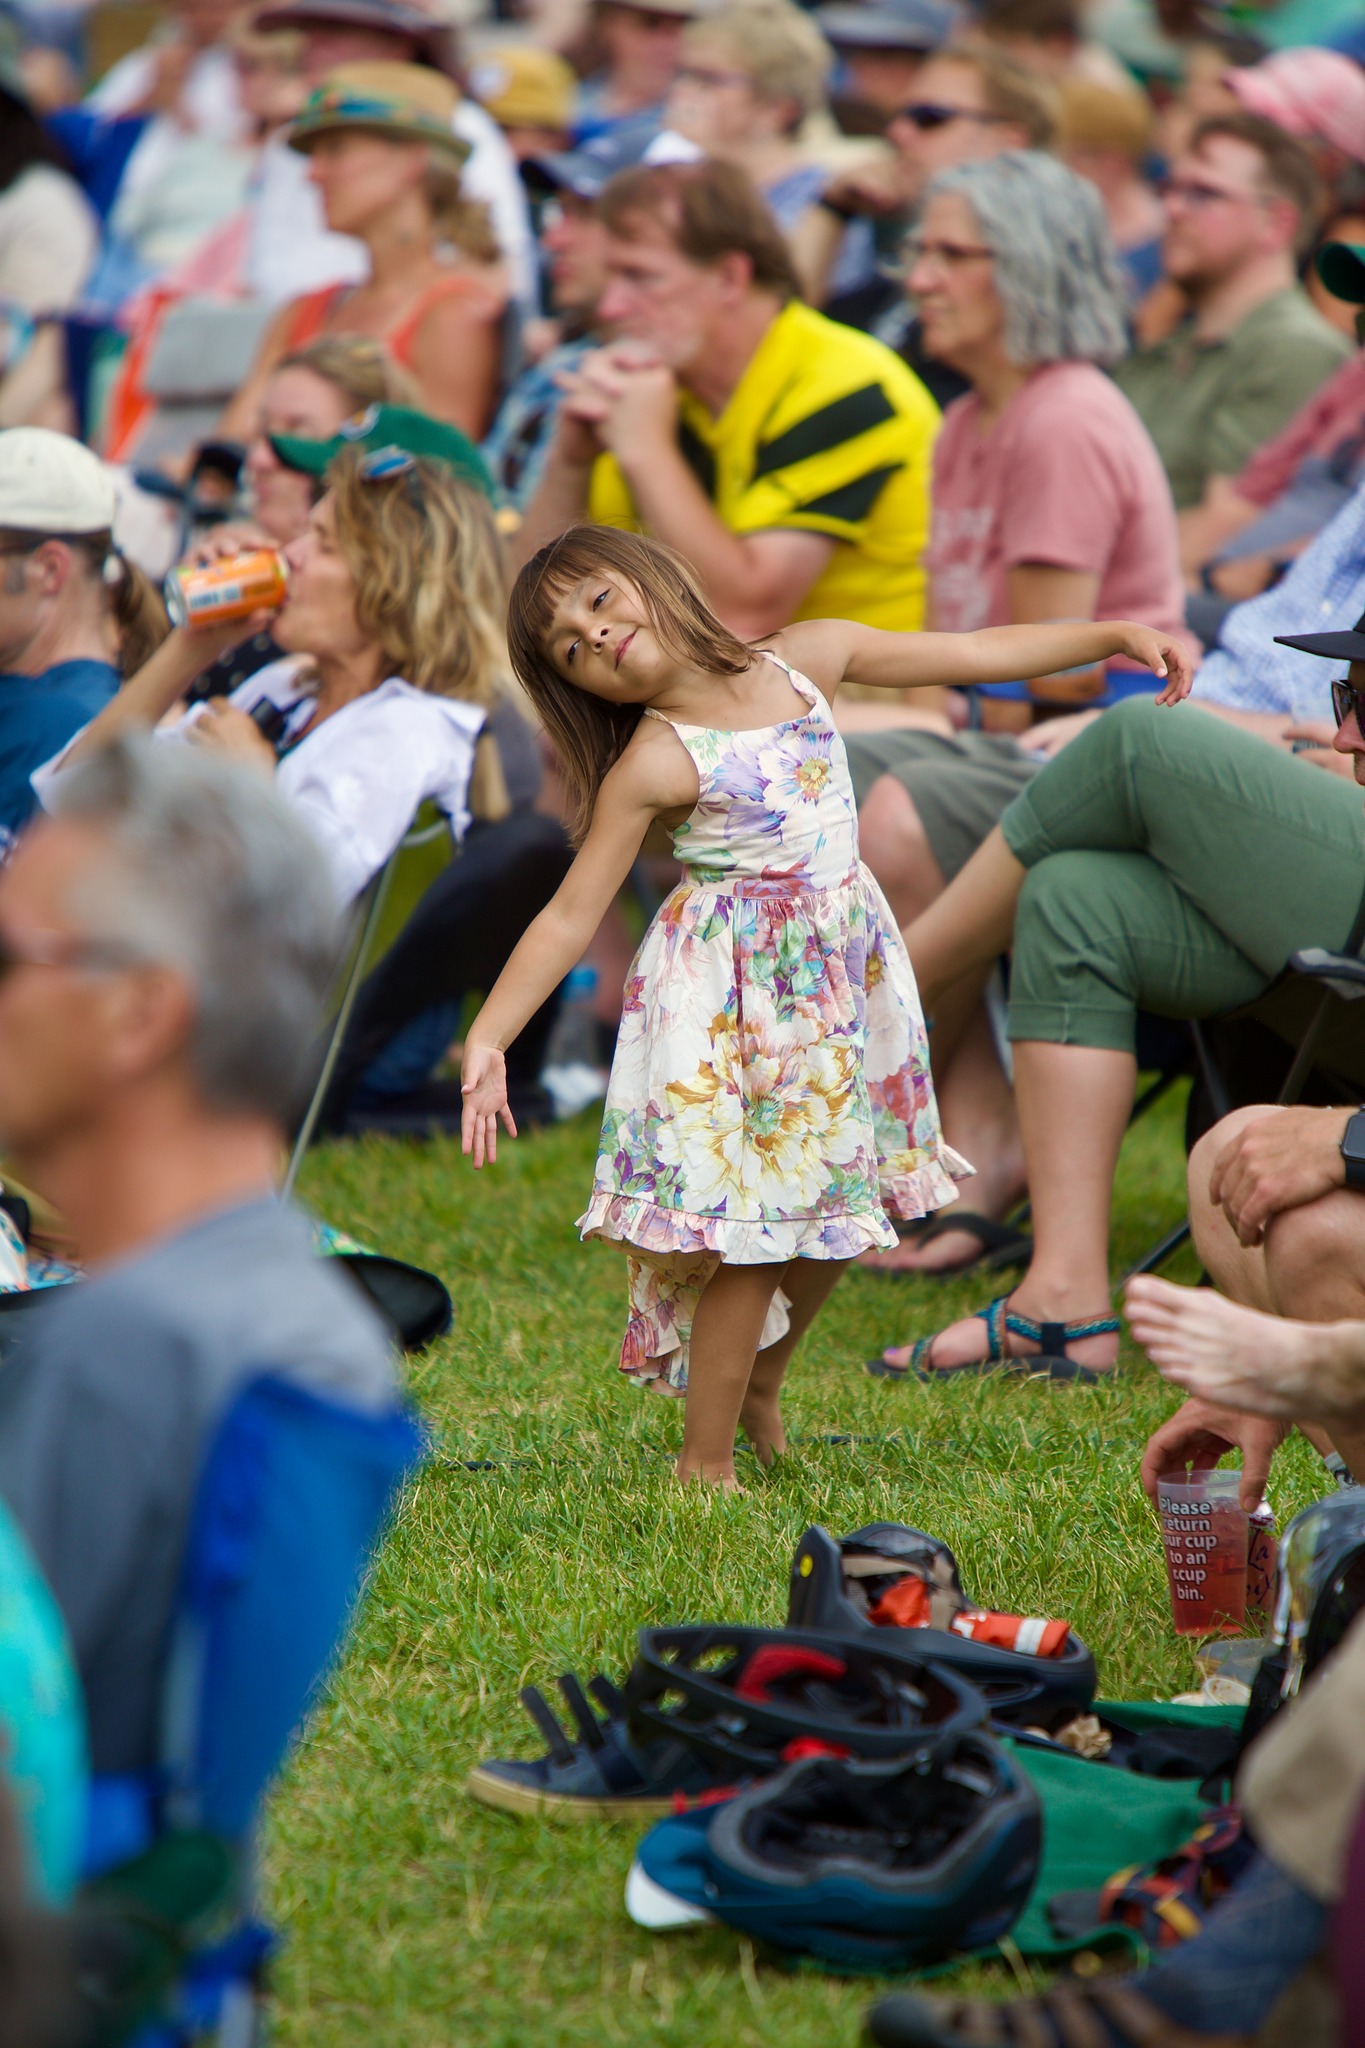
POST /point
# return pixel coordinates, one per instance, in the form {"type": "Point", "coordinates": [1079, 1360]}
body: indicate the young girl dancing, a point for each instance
{"type": "Point", "coordinates": [770, 1104]}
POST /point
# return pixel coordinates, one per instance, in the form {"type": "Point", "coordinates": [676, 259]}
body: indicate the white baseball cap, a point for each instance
{"type": "Point", "coordinates": [52, 484]}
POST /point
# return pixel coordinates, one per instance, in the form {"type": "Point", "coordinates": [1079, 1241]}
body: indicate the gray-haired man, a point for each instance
{"type": "Point", "coordinates": [165, 941]}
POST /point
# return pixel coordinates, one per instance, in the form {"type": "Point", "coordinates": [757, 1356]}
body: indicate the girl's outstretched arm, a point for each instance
{"type": "Point", "coordinates": [644, 782]}
{"type": "Point", "coordinates": [831, 651]}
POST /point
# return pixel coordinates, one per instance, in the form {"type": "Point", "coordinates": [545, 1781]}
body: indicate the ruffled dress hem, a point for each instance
{"type": "Point", "coordinates": [645, 1226]}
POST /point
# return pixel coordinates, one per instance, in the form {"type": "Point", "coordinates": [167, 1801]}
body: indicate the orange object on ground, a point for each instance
{"type": "Point", "coordinates": [907, 1606]}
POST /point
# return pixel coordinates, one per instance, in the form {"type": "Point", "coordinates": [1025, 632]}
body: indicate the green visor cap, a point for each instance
{"type": "Point", "coordinates": [390, 426]}
{"type": "Point", "coordinates": [1341, 266]}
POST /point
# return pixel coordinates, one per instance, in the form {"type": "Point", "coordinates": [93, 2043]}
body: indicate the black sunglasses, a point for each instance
{"type": "Point", "coordinates": [927, 114]}
{"type": "Point", "coordinates": [1348, 701]}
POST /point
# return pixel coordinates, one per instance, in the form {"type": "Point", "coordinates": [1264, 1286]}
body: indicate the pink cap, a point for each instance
{"type": "Point", "coordinates": [1310, 93]}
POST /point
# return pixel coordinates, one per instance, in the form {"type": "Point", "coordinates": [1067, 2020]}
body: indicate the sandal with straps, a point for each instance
{"type": "Point", "coordinates": [1051, 1361]}
{"type": "Point", "coordinates": [1093, 2015]}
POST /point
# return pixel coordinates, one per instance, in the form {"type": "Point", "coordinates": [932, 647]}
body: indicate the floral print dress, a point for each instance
{"type": "Point", "coordinates": [770, 1097]}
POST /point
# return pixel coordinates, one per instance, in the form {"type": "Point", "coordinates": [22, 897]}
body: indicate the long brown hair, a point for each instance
{"type": "Point", "coordinates": [590, 733]}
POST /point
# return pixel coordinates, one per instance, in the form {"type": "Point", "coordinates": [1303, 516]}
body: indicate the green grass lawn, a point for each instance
{"type": "Point", "coordinates": [413, 1916]}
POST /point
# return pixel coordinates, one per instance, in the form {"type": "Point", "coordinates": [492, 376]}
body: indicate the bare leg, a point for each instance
{"type": "Point", "coordinates": [1309, 1267]}
{"type": "Point", "coordinates": [1073, 1109]}
{"type": "Point", "coordinates": [893, 842]}
{"type": "Point", "coordinates": [975, 1102]}
{"type": "Point", "coordinates": [971, 924]}
{"type": "Point", "coordinates": [976, 1107]}
{"type": "Point", "coordinates": [725, 1333]}
{"type": "Point", "coordinates": [1236, 1269]}
{"type": "Point", "coordinates": [807, 1284]}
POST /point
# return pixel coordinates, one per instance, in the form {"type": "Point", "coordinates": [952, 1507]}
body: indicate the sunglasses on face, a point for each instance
{"type": "Point", "coordinates": [928, 114]}
{"type": "Point", "coordinates": [1348, 701]}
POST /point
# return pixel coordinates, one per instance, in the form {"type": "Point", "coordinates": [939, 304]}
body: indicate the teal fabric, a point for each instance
{"type": "Point", "coordinates": [1097, 1821]}
{"type": "Point", "coordinates": [42, 1722]}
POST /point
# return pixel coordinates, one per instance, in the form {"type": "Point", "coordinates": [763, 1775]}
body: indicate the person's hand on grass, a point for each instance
{"type": "Point", "coordinates": [1285, 1159]}
{"type": "Point", "coordinates": [1199, 1434]}
{"type": "Point", "coordinates": [484, 1088]}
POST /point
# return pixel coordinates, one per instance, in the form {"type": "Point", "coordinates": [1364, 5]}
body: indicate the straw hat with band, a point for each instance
{"type": "Point", "coordinates": [406, 102]}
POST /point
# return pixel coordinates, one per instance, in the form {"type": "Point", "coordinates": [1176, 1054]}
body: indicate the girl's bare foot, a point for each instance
{"type": "Point", "coordinates": [707, 1472]}
{"type": "Point", "coordinates": [1244, 1359]}
{"type": "Point", "coordinates": [761, 1420]}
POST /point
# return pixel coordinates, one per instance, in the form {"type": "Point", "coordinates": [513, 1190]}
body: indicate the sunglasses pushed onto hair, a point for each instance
{"type": "Point", "coordinates": [382, 465]}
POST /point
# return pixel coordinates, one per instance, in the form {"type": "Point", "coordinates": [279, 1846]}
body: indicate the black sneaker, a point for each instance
{"type": "Point", "coordinates": [601, 1776]}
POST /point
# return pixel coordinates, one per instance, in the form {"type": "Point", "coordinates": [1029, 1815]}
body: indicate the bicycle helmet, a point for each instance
{"type": "Point", "coordinates": [868, 1866]}
{"type": "Point", "coordinates": [739, 1697]}
{"type": "Point", "coordinates": [835, 1585]}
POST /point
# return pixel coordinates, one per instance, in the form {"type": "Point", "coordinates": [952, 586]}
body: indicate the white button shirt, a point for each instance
{"type": "Point", "coordinates": [358, 779]}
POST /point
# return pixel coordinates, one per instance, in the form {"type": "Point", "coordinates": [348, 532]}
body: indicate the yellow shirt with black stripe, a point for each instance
{"type": "Point", "coordinates": [827, 431]}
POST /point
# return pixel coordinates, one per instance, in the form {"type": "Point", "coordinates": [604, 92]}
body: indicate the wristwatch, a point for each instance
{"type": "Point", "coordinates": [1353, 1149]}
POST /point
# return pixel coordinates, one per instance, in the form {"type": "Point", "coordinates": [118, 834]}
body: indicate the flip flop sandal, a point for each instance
{"type": "Point", "coordinates": [908, 1229]}
{"type": "Point", "coordinates": [1099, 2015]}
{"type": "Point", "coordinates": [1051, 1360]}
{"type": "Point", "coordinates": [1001, 1245]}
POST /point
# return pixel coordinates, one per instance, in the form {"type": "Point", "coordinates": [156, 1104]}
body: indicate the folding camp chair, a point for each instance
{"type": "Point", "coordinates": [1301, 1037]}
{"type": "Point", "coordinates": [383, 908]}
{"type": "Point", "coordinates": [291, 1501]}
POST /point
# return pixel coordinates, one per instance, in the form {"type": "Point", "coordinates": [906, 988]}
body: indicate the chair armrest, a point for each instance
{"type": "Point", "coordinates": [1342, 973]}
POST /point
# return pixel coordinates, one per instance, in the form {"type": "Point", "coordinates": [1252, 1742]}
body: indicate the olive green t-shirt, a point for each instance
{"type": "Point", "coordinates": [1209, 405]}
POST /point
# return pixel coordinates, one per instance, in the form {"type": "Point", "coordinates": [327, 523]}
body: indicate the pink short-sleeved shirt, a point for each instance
{"type": "Point", "coordinates": [1067, 478]}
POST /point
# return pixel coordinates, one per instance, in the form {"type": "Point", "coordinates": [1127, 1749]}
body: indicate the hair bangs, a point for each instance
{"type": "Point", "coordinates": [590, 733]}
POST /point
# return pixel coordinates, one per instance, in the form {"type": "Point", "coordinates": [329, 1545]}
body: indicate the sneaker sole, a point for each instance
{"type": "Point", "coordinates": [509, 1797]}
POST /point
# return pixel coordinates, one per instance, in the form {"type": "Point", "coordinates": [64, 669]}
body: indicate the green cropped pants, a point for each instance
{"type": "Point", "coordinates": [1175, 863]}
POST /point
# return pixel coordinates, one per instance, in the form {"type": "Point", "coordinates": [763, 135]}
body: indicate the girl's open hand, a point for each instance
{"type": "Point", "coordinates": [1164, 656]}
{"type": "Point", "coordinates": [484, 1088]}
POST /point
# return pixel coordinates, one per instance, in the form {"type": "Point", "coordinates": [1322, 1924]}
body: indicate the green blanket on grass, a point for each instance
{"type": "Point", "coordinates": [1097, 1820]}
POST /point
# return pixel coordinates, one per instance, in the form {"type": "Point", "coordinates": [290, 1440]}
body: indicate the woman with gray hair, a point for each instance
{"type": "Point", "coordinates": [1049, 502]}
{"type": "Point", "coordinates": [1049, 498]}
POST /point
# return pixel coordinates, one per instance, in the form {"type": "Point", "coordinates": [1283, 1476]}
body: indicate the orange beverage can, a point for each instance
{"type": "Point", "coordinates": [213, 593]}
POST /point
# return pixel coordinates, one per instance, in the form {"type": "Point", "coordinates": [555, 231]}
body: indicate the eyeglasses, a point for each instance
{"type": "Point", "coordinates": [54, 949]}
{"type": "Point", "coordinates": [382, 465]}
{"type": "Point", "coordinates": [947, 255]}
{"type": "Point", "coordinates": [1348, 701]}
{"type": "Point", "coordinates": [1193, 192]}
{"type": "Point", "coordinates": [927, 114]}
